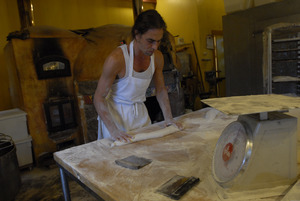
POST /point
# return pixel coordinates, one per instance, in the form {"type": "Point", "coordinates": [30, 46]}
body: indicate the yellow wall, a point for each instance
{"type": "Point", "coordinates": [9, 21]}
{"type": "Point", "coordinates": [190, 19]}
{"type": "Point", "coordinates": [82, 14]}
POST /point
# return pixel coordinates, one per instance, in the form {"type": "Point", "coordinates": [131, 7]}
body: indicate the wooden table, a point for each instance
{"type": "Point", "coordinates": [186, 153]}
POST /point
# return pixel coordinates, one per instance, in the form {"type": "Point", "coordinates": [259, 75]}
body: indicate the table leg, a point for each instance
{"type": "Point", "coordinates": [65, 185]}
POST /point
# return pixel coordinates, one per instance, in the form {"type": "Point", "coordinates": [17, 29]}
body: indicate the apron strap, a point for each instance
{"type": "Point", "coordinates": [131, 54]}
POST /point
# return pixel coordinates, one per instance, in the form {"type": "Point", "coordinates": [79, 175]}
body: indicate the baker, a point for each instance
{"type": "Point", "coordinates": [127, 73]}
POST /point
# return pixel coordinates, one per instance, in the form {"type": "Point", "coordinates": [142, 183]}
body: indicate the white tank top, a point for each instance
{"type": "Point", "coordinates": [132, 89]}
{"type": "Point", "coordinates": [126, 97]}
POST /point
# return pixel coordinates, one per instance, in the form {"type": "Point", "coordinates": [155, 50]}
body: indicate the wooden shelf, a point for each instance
{"type": "Point", "coordinates": [149, 1]}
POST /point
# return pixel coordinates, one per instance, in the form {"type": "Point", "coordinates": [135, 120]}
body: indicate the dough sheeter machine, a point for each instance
{"type": "Point", "coordinates": [259, 149]}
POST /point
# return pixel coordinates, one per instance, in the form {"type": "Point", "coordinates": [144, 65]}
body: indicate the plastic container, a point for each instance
{"type": "Point", "coordinates": [24, 152]}
{"type": "Point", "coordinates": [13, 123]}
{"type": "Point", "coordinates": [9, 169]}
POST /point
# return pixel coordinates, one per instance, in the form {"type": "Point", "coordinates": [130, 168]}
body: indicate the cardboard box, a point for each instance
{"type": "Point", "coordinates": [263, 2]}
{"type": "Point", "coordinates": [237, 5]}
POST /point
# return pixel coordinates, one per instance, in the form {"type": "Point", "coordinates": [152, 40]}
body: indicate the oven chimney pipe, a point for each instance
{"type": "Point", "coordinates": [25, 8]}
{"type": "Point", "coordinates": [137, 7]}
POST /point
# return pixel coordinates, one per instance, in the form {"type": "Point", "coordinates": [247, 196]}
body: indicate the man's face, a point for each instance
{"type": "Point", "coordinates": [149, 41]}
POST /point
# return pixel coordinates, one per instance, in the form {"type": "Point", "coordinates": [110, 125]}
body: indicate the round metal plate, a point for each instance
{"type": "Point", "coordinates": [231, 153]}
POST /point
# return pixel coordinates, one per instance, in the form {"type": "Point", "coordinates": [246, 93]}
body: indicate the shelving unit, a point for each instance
{"type": "Point", "coordinates": [285, 61]}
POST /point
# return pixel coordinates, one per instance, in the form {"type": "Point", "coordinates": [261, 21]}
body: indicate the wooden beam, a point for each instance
{"type": "Point", "coordinates": [146, 1]}
{"type": "Point", "coordinates": [149, 1]}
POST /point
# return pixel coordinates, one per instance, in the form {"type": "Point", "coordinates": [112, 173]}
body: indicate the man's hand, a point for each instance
{"type": "Point", "coordinates": [174, 123]}
{"type": "Point", "coordinates": [121, 136]}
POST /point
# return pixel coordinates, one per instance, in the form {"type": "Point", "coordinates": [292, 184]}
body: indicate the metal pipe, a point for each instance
{"type": "Point", "coordinates": [25, 8]}
{"type": "Point", "coordinates": [137, 7]}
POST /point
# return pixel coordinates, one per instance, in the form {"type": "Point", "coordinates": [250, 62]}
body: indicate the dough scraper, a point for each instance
{"type": "Point", "coordinates": [177, 186]}
{"type": "Point", "coordinates": [133, 162]}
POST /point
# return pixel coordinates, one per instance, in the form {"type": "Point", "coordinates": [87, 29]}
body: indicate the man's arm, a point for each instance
{"type": "Point", "coordinates": [111, 68]}
{"type": "Point", "coordinates": [161, 91]}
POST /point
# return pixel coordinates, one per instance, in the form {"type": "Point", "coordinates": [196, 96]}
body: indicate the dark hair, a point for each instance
{"type": "Point", "coordinates": [149, 19]}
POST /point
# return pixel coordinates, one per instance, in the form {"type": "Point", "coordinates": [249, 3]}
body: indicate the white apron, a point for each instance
{"type": "Point", "coordinates": [126, 99]}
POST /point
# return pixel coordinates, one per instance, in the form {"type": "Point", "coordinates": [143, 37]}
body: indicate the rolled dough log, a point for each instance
{"type": "Point", "coordinates": [145, 136]}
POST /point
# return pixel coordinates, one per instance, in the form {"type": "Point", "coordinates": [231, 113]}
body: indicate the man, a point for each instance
{"type": "Point", "coordinates": [127, 73]}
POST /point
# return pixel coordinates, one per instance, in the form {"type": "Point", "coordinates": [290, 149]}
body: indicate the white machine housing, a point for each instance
{"type": "Point", "coordinates": [272, 158]}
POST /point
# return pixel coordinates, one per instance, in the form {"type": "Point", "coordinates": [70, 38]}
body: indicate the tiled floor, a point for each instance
{"type": "Point", "coordinates": [43, 184]}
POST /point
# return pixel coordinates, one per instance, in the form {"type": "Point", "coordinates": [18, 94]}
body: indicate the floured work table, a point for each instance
{"type": "Point", "coordinates": [187, 153]}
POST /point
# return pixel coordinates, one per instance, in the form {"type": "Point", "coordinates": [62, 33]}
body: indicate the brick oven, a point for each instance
{"type": "Point", "coordinates": [40, 62]}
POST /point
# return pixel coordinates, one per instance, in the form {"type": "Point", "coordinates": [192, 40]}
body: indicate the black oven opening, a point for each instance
{"type": "Point", "coordinates": [60, 114]}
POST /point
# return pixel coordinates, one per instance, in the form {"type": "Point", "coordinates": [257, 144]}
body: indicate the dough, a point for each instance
{"type": "Point", "coordinates": [145, 136]}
